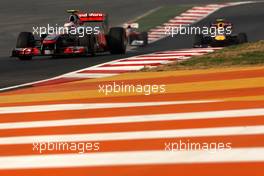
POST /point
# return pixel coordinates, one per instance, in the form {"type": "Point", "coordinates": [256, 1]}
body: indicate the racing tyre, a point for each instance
{"type": "Point", "coordinates": [198, 40]}
{"type": "Point", "coordinates": [145, 38]}
{"type": "Point", "coordinates": [89, 41]}
{"type": "Point", "coordinates": [25, 40]}
{"type": "Point", "coordinates": [242, 38]}
{"type": "Point", "coordinates": [117, 40]}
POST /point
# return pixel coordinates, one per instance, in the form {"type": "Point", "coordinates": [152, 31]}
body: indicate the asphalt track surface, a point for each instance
{"type": "Point", "coordinates": [246, 18]}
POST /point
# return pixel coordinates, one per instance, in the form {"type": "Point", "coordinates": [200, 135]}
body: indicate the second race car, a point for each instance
{"type": "Point", "coordinates": [135, 38]}
{"type": "Point", "coordinates": [222, 36]}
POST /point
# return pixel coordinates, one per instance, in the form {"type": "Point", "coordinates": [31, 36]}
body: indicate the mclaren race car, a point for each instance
{"type": "Point", "coordinates": [135, 38]}
{"type": "Point", "coordinates": [83, 34]}
{"type": "Point", "coordinates": [221, 36]}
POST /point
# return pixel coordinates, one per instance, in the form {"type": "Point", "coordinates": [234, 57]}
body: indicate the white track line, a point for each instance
{"type": "Point", "coordinates": [192, 14]}
{"type": "Point", "coordinates": [131, 68]}
{"type": "Point", "coordinates": [145, 14]}
{"type": "Point", "coordinates": [132, 158]}
{"type": "Point", "coordinates": [205, 12]}
{"type": "Point", "coordinates": [137, 118]}
{"type": "Point", "coordinates": [173, 54]}
{"type": "Point", "coordinates": [142, 62]}
{"type": "Point", "coordinates": [176, 25]}
{"type": "Point", "coordinates": [80, 106]}
{"type": "Point", "coordinates": [216, 5]}
{"type": "Point", "coordinates": [185, 18]}
{"type": "Point", "coordinates": [205, 8]}
{"type": "Point", "coordinates": [194, 50]}
{"type": "Point", "coordinates": [146, 61]}
{"type": "Point", "coordinates": [181, 20]}
{"type": "Point", "coordinates": [136, 135]}
{"type": "Point", "coordinates": [154, 36]}
{"type": "Point", "coordinates": [159, 32]}
{"type": "Point", "coordinates": [89, 75]}
{"type": "Point", "coordinates": [162, 57]}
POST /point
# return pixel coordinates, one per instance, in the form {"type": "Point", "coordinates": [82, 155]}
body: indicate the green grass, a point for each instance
{"type": "Point", "coordinates": [160, 16]}
{"type": "Point", "coordinates": [240, 55]}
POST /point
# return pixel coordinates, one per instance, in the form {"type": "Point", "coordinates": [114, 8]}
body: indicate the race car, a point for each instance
{"type": "Point", "coordinates": [135, 38]}
{"type": "Point", "coordinates": [222, 36]}
{"type": "Point", "coordinates": [83, 34]}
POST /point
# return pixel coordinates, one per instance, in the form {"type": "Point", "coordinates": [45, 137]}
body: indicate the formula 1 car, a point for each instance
{"type": "Point", "coordinates": [96, 37]}
{"type": "Point", "coordinates": [135, 38]}
{"type": "Point", "coordinates": [222, 36]}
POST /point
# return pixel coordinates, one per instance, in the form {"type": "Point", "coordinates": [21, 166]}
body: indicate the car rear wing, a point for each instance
{"type": "Point", "coordinates": [92, 17]}
{"type": "Point", "coordinates": [132, 25]}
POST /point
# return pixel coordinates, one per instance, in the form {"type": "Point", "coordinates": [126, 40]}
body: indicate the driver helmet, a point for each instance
{"type": "Point", "coordinates": [69, 26]}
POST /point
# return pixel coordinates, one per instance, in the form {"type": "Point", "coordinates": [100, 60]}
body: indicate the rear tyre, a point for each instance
{"type": "Point", "coordinates": [145, 38]}
{"type": "Point", "coordinates": [242, 38]}
{"type": "Point", "coordinates": [117, 40]}
{"type": "Point", "coordinates": [198, 41]}
{"type": "Point", "coordinates": [25, 40]}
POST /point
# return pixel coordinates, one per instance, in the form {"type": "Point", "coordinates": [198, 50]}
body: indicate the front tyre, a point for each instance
{"type": "Point", "coordinates": [242, 38]}
{"type": "Point", "coordinates": [25, 40]}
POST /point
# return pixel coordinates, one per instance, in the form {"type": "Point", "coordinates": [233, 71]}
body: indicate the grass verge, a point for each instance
{"type": "Point", "coordinates": [239, 55]}
{"type": "Point", "coordinates": [160, 16]}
